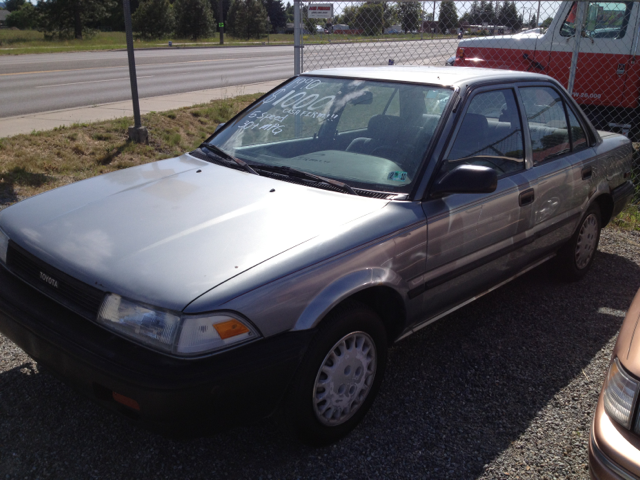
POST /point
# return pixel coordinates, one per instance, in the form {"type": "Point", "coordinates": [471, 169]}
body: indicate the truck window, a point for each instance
{"type": "Point", "coordinates": [547, 122]}
{"type": "Point", "coordinates": [604, 20]}
{"type": "Point", "coordinates": [490, 134]}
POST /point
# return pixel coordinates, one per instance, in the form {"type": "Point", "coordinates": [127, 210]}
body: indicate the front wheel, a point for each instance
{"type": "Point", "coordinates": [339, 376]}
{"type": "Point", "coordinates": [577, 255]}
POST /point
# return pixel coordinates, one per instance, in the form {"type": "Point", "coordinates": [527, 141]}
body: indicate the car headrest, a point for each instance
{"type": "Point", "coordinates": [383, 126]}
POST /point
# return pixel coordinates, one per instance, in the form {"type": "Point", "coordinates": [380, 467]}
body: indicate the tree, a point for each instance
{"type": "Point", "coordinates": [71, 18]}
{"type": "Point", "coordinates": [370, 18]}
{"type": "Point", "coordinates": [487, 14]}
{"type": "Point", "coordinates": [153, 19]}
{"type": "Point", "coordinates": [277, 15]}
{"type": "Point", "coordinates": [547, 22]}
{"type": "Point", "coordinates": [13, 5]}
{"type": "Point", "coordinates": [533, 23]}
{"type": "Point", "coordinates": [194, 19]}
{"type": "Point", "coordinates": [448, 18]}
{"type": "Point", "coordinates": [289, 12]}
{"type": "Point", "coordinates": [247, 19]}
{"type": "Point", "coordinates": [348, 16]}
{"type": "Point", "coordinates": [410, 15]}
{"type": "Point", "coordinates": [508, 16]}
{"type": "Point", "coordinates": [389, 14]}
{"type": "Point", "coordinates": [25, 18]}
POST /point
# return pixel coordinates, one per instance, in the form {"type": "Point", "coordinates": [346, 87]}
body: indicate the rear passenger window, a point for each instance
{"type": "Point", "coordinates": [490, 134]}
{"type": "Point", "coordinates": [547, 122]}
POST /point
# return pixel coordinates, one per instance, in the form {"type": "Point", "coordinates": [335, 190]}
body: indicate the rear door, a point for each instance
{"type": "Point", "coordinates": [563, 167]}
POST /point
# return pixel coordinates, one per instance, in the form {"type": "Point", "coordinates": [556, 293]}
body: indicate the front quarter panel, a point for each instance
{"type": "Point", "coordinates": [298, 288]}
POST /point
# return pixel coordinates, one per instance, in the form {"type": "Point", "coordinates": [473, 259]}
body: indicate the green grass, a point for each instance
{"type": "Point", "coordinates": [36, 162]}
{"type": "Point", "coordinates": [629, 218]}
{"type": "Point", "coordinates": [15, 42]}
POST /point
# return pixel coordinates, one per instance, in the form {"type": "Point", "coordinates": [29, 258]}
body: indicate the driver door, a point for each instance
{"type": "Point", "coordinates": [473, 238]}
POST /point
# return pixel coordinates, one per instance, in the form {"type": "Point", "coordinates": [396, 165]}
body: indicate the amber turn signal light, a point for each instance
{"type": "Point", "coordinates": [230, 329]}
{"type": "Point", "coordinates": [460, 53]}
{"type": "Point", "coordinates": [126, 401]}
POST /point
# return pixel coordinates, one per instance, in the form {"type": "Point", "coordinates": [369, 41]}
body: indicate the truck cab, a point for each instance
{"type": "Point", "coordinates": [607, 80]}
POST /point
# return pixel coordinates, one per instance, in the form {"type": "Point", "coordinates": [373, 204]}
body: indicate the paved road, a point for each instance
{"type": "Point", "coordinates": [41, 83]}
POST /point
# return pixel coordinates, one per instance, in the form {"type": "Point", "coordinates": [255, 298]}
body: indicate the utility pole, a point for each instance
{"type": "Point", "coordinates": [137, 133]}
{"type": "Point", "coordinates": [220, 22]}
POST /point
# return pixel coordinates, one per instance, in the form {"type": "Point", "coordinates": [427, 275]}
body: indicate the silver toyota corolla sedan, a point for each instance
{"type": "Point", "coordinates": [270, 269]}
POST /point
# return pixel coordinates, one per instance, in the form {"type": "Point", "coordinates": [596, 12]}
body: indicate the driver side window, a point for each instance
{"type": "Point", "coordinates": [604, 20]}
{"type": "Point", "coordinates": [490, 134]}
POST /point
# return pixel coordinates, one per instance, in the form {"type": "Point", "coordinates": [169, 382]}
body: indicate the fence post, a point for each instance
{"type": "Point", "coordinates": [297, 44]}
{"type": "Point", "coordinates": [580, 17]}
{"type": "Point", "coordinates": [137, 133]}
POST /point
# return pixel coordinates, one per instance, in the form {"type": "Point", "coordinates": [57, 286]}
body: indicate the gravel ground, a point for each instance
{"type": "Point", "coordinates": [503, 388]}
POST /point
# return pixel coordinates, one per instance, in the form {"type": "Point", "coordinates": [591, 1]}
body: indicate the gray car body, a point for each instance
{"type": "Point", "coordinates": [187, 235]}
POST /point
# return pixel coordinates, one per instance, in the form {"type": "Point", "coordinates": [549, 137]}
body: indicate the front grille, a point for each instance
{"type": "Point", "coordinates": [70, 292]}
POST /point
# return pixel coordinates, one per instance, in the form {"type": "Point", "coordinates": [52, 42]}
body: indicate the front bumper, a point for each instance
{"type": "Point", "coordinates": [175, 396]}
{"type": "Point", "coordinates": [614, 452]}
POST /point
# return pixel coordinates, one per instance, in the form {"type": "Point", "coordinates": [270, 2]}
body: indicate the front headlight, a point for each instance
{"type": "Point", "coordinates": [620, 394]}
{"type": "Point", "coordinates": [4, 245]}
{"type": "Point", "coordinates": [170, 332]}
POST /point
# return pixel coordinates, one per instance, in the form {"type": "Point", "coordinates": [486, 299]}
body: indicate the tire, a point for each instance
{"type": "Point", "coordinates": [576, 257]}
{"type": "Point", "coordinates": [339, 376]}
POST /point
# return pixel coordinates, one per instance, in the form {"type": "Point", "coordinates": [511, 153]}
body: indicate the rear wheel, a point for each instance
{"type": "Point", "coordinates": [339, 376]}
{"type": "Point", "coordinates": [577, 255]}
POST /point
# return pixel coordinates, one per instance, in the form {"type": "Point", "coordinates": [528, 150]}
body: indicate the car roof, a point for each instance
{"type": "Point", "coordinates": [445, 76]}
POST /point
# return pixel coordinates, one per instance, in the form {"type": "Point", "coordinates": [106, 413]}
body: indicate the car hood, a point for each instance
{"type": "Point", "coordinates": [165, 233]}
{"type": "Point", "coordinates": [517, 41]}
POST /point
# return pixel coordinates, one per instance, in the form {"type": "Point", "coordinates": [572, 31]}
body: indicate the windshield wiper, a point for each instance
{"type": "Point", "coordinates": [225, 156]}
{"type": "Point", "coordinates": [293, 172]}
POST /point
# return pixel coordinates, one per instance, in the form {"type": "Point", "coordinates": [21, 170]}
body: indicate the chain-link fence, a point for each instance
{"type": "Point", "coordinates": [590, 47]}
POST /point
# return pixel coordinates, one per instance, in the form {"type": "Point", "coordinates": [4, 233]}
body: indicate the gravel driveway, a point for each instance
{"type": "Point", "coordinates": [503, 388]}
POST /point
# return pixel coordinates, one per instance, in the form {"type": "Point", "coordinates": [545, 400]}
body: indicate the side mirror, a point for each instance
{"type": "Point", "coordinates": [466, 179]}
{"type": "Point", "coordinates": [220, 125]}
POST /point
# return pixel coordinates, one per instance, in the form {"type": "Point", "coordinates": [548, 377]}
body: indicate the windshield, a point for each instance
{"type": "Point", "coordinates": [370, 135]}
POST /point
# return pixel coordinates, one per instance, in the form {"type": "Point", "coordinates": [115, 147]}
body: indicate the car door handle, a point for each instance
{"type": "Point", "coordinates": [526, 197]}
{"type": "Point", "coordinates": [586, 173]}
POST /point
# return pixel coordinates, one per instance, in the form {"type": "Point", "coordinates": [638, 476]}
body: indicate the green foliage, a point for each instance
{"type": "Point", "coordinates": [547, 22]}
{"type": "Point", "coordinates": [370, 19]}
{"type": "Point", "coordinates": [71, 18]}
{"type": "Point", "coordinates": [390, 14]}
{"type": "Point", "coordinates": [508, 16]}
{"type": "Point", "coordinates": [25, 18]}
{"type": "Point", "coordinates": [448, 18]}
{"type": "Point", "coordinates": [153, 19]}
{"type": "Point", "coordinates": [13, 5]}
{"type": "Point", "coordinates": [247, 19]}
{"type": "Point", "coordinates": [410, 15]}
{"type": "Point", "coordinates": [194, 18]}
{"type": "Point", "coordinates": [276, 14]}
{"type": "Point", "coordinates": [348, 16]}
